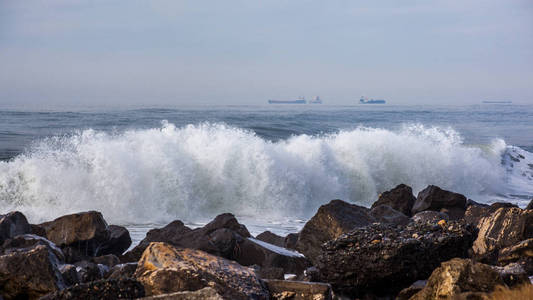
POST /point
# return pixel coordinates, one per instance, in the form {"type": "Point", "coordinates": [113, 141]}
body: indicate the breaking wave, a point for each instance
{"type": "Point", "coordinates": [198, 171]}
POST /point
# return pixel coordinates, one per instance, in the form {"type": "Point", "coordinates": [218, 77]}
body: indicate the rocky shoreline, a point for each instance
{"type": "Point", "coordinates": [438, 245]}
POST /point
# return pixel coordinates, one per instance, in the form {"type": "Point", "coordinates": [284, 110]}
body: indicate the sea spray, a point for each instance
{"type": "Point", "coordinates": [197, 171]}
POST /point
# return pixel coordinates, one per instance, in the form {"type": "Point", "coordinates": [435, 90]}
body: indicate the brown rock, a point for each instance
{"type": "Point", "coordinates": [389, 215]}
{"type": "Point", "coordinates": [299, 290]}
{"type": "Point", "coordinates": [400, 198]}
{"type": "Point", "coordinates": [165, 269]}
{"type": "Point", "coordinates": [271, 273]}
{"type": "Point", "coordinates": [290, 240]}
{"type": "Point", "coordinates": [457, 278]}
{"type": "Point", "coordinates": [521, 253]}
{"type": "Point", "coordinates": [29, 273]}
{"type": "Point", "coordinates": [429, 216]}
{"type": "Point", "coordinates": [29, 241]}
{"type": "Point", "coordinates": [13, 224]}
{"type": "Point", "coordinates": [206, 293]}
{"type": "Point", "coordinates": [414, 288]}
{"type": "Point", "coordinates": [330, 221]}
{"type": "Point", "coordinates": [101, 289]}
{"type": "Point", "coordinates": [271, 238]}
{"type": "Point", "coordinates": [437, 199]}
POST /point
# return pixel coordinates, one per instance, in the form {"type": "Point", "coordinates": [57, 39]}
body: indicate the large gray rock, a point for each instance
{"type": "Point", "coordinates": [13, 224]}
{"type": "Point", "coordinates": [400, 198]}
{"type": "Point", "coordinates": [331, 221]}
{"type": "Point", "coordinates": [165, 269]}
{"type": "Point", "coordinates": [437, 199]}
{"type": "Point", "coordinates": [383, 259]}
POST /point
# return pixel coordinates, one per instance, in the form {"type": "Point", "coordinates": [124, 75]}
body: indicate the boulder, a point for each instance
{"type": "Point", "coordinates": [290, 241]}
{"type": "Point", "coordinates": [118, 242]}
{"type": "Point", "coordinates": [400, 198]}
{"type": "Point", "coordinates": [330, 221]}
{"type": "Point", "coordinates": [460, 279]}
{"type": "Point", "coordinates": [109, 260]}
{"type": "Point", "coordinates": [502, 228]}
{"type": "Point", "coordinates": [84, 232]}
{"type": "Point", "coordinates": [29, 241]}
{"type": "Point", "coordinates": [432, 217]}
{"type": "Point", "coordinates": [530, 205]}
{"type": "Point", "coordinates": [69, 274]}
{"type": "Point", "coordinates": [101, 289]}
{"type": "Point", "coordinates": [437, 199]}
{"type": "Point", "coordinates": [122, 271]}
{"type": "Point", "coordinates": [13, 224]}
{"type": "Point", "coordinates": [521, 253]}
{"type": "Point", "coordinates": [299, 290]}
{"type": "Point", "coordinates": [512, 274]}
{"type": "Point", "coordinates": [29, 273]}
{"type": "Point", "coordinates": [271, 238]}
{"type": "Point", "coordinates": [88, 271]}
{"type": "Point", "coordinates": [165, 269]}
{"type": "Point", "coordinates": [383, 259]}
{"type": "Point", "coordinates": [37, 230]}
{"type": "Point", "coordinates": [206, 293]}
{"type": "Point", "coordinates": [388, 215]}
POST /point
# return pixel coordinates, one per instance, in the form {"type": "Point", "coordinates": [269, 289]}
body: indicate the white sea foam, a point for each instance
{"type": "Point", "coordinates": [198, 171]}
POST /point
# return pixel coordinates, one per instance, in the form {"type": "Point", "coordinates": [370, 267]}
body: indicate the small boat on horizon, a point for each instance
{"type": "Point", "coordinates": [300, 100]}
{"type": "Point", "coordinates": [365, 100]}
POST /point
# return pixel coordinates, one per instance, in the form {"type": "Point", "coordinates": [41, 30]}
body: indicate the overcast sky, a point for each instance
{"type": "Point", "coordinates": [245, 52]}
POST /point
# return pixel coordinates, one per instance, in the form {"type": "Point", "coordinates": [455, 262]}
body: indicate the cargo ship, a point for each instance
{"type": "Point", "coordinates": [365, 100]}
{"type": "Point", "coordinates": [300, 100]}
{"type": "Point", "coordinates": [316, 100]}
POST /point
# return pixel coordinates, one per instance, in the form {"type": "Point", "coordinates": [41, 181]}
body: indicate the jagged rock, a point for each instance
{"type": "Point", "coordinates": [400, 198]}
{"type": "Point", "coordinates": [530, 205]}
{"type": "Point", "coordinates": [69, 274]}
{"type": "Point", "coordinates": [271, 238]}
{"type": "Point", "coordinates": [219, 237]}
{"type": "Point", "coordinates": [13, 224]}
{"type": "Point", "coordinates": [383, 259]}
{"type": "Point", "coordinates": [88, 271]}
{"type": "Point", "coordinates": [512, 274]}
{"type": "Point", "coordinates": [414, 288]}
{"type": "Point", "coordinates": [122, 271]}
{"type": "Point", "coordinates": [109, 260]}
{"type": "Point", "coordinates": [29, 241]}
{"type": "Point", "coordinates": [330, 221]}
{"type": "Point", "coordinates": [29, 273]}
{"type": "Point", "coordinates": [389, 215]}
{"type": "Point", "coordinates": [299, 290]}
{"type": "Point", "coordinates": [290, 241]}
{"type": "Point", "coordinates": [206, 293]}
{"type": "Point", "coordinates": [118, 242]}
{"type": "Point", "coordinates": [430, 216]}
{"type": "Point", "coordinates": [460, 279]}
{"type": "Point", "coordinates": [101, 289]}
{"type": "Point", "coordinates": [85, 232]}
{"type": "Point", "coordinates": [37, 230]}
{"type": "Point", "coordinates": [520, 251]}
{"type": "Point", "coordinates": [437, 199]}
{"type": "Point", "coordinates": [164, 269]}
{"type": "Point", "coordinates": [502, 228]}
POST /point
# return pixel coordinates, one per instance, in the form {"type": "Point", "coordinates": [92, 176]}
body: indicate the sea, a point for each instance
{"type": "Point", "coordinates": [272, 166]}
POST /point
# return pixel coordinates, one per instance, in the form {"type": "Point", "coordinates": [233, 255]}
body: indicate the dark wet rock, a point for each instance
{"type": "Point", "coordinates": [271, 238]}
{"type": "Point", "coordinates": [109, 260]}
{"type": "Point", "coordinates": [69, 274]}
{"type": "Point", "coordinates": [88, 271]}
{"type": "Point", "coordinates": [460, 279]}
{"type": "Point", "coordinates": [206, 293]}
{"type": "Point", "coordinates": [122, 271]}
{"type": "Point", "coordinates": [37, 230]}
{"type": "Point", "coordinates": [400, 198]}
{"type": "Point", "coordinates": [387, 214]}
{"type": "Point", "coordinates": [299, 290]}
{"type": "Point", "coordinates": [530, 205]}
{"type": "Point", "coordinates": [165, 269]}
{"type": "Point", "coordinates": [502, 228]}
{"type": "Point", "coordinates": [330, 221]}
{"type": "Point", "coordinates": [383, 259]}
{"type": "Point", "coordinates": [437, 199]}
{"type": "Point", "coordinates": [311, 274]}
{"type": "Point", "coordinates": [430, 216]}
{"type": "Point", "coordinates": [252, 251]}
{"type": "Point", "coordinates": [29, 241]}
{"type": "Point", "coordinates": [29, 273]}
{"type": "Point", "coordinates": [13, 224]}
{"type": "Point", "coordinates": [220, 237]}
{"type": "Point", "coordinates": [271, 273]}
{"type": "Point", "coordinates": [414, 288]}
{"type": "Point", "coordinates": [470, 202]}
{"type": "Point", "coordinates": [521, 253]}
{"type": "Point", "coordinates": [118, 242]}
{"type": "Point", "coordinates": [101, 289]}
{"type": "Point", "coordinates": [290, 240]}
{"type": "Point", "coordinates": [85, 232]}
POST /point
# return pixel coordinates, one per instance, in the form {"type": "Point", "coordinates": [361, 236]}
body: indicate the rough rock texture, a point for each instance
{"type": "Point", "coordinates": [69, 274]}
{"type": "Point", "coordinates": [206, 293]}
{"type": "Point", "coordinates": [13, 224]}
{"type": "Point", "coordinates": [165, 269]}
{"type": "Point", "coordinates": [29, 273]}
{"type": "Point", "coordinates": [383, 259]}
{"type": "Point", "coordinates": [512, 274]}
{"type": "Point", "coordinates": [220, 237]}
{"type": "Point", "coordinates": [271, 238]}
{"type": "Point", "coordinates": [400, 198]}
{"type": "Point", "coordinates": [108, 260]}
{"type": "Point", "coordinates": [290, 240]}
{"type": "Point", "coordinates": [29, 241]}
{"type": "Point", "coordinates": [299, 290]}
{"type": "Point", "coordinates": [437, 199]}
{"type": "Point", "coordinates": [519, 252]}
{"type": "Point", "coordinates": [118, 242]}
{"type": "Point", "coordinates": [330, 221]}
{"type": "Point", "coordinates": [530, 205]}
{"type": "Point", "coordinates": [430, 217]}
{"type": "Point", "coordinates": [88, 271]}
{"type": "Point", "coordinates": [387, 214]}
{"type": "Point", "coordinates": [101, 289]}
{"type": "Point", "coordinates": [271, 273]}
{"type": "Point", "coordinates": [459, 279]}
{"type": "Point", "coordinates": [85, 232]}
{"type": "Point", "coordinates": [414, 288]}
{"type": "Point", "coordinates": [502, 228]}
{"type": "Point", "coordinates": [122, 271]}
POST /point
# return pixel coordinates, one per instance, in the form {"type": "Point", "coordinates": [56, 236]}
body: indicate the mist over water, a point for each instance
{"type": "Point", "coordinates": [194, 172]}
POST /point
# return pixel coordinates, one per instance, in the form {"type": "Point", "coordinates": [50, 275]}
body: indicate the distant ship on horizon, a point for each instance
{"type": "Point", "coordinates": [365, 100]}
{"type": "Point", "coordinates": [300, 100]}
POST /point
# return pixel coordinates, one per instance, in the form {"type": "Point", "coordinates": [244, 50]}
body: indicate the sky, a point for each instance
{"type": "Point", "coordinates": [102, 52]}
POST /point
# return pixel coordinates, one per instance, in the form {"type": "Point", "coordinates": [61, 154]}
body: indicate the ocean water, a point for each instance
{"type": "Point", "coordinates": [272, 166]}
